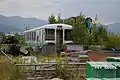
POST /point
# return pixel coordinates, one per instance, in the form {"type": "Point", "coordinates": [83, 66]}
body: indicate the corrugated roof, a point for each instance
{"type": "Point", "coordinates": [117, 64]}
{"type": "Point", "coordinates": [116, 58]}
{"type": "Point", "coordinates": [100, 65]}
{"type": "Point", "coordinates": [93, 79]}
{"type": "Point", "coordinates": [111, 79]}
{"type": "Point", "coordinates": [103, 79]}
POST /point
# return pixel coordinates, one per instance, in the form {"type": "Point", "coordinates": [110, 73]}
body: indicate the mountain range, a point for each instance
{"type": "Point", "coordinates": [18, 24]}
{"type": "Point", "coordinates": [115, 27]}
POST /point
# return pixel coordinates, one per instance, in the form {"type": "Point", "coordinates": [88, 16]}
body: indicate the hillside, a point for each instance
{"type": "Point", "coordinates": [18, 24]}
{"type": "Point", "coordinates": [115, 27]}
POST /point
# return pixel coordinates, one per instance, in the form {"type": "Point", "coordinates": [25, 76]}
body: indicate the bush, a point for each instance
{"type": "Point", "coordinates": [14, 49]}
{"type": "Point", "coordinates": [113, 42]}
{"type": "Point", "coordinates": [65, 74]}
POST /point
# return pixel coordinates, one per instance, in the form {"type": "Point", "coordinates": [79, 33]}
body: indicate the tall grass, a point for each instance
{"type": "Point", "coordinates": [9, 71]}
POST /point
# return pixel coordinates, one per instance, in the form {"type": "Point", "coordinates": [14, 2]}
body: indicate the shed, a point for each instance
{"type": "Point", "coordinates": [100, 70]}
{"type": "Point", "coordinates": [117, 65]}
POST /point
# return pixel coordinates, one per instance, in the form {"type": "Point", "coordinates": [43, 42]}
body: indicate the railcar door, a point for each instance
{"type": "Point", "coordinates": [59, 38]}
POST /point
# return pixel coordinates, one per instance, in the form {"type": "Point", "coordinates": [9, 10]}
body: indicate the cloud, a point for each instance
{"type": "Point", "coordinates": [107, 10]}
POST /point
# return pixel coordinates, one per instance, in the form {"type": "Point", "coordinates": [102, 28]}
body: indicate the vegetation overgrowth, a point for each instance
{"type": "Point", "coordinates": [80, 33]}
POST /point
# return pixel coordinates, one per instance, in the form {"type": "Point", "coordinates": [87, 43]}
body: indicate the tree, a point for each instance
{"type": "Point", "coordinates": [20, 38]}
{"type": "Point", "coordinates": [113, 41]}
{"type": "Point", "coordinates": [80, 31]}
{"type": "Point", "coordinates": [52, 19]}
{"type": "Point", "coordinates": [2, 34]}
{"type": "Point", "coordinates": [79, 27]}
{"type": "Point", "coordinates": [2, 37]}
{"type": "Point", "coordinates": [59, 19]}
{"type": "Point", "coordinates": [100, 34]}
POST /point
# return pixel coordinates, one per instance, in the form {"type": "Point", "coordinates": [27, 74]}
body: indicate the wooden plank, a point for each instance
{"type": "Point", "coordinates": [41, 64]}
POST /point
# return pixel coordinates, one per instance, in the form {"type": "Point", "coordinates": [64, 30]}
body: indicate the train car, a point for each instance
{"type": "Point", "coordinates": [49, 38]}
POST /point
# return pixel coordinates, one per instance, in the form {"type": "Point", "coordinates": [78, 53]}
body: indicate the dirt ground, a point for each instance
{"type": "Point", "coordinates": [102, 55]}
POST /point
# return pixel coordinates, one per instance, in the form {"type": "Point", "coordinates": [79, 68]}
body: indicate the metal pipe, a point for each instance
{"type": "Point", "coordinates": [7, 56]}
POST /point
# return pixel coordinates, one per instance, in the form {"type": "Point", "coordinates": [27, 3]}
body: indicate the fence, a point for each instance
{"type": "Point", "coordinates": [50, 70]}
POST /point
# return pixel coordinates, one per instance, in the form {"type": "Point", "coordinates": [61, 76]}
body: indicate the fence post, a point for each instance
{"type": "Point", "coordinates": [35, 73]}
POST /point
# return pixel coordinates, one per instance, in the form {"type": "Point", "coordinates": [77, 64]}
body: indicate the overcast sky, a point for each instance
{"type": "Point", "coordinates": [107, 10]}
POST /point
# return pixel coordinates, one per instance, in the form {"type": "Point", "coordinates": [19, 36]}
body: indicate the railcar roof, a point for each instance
{"type": "Point", "coordinates": [51, 26]}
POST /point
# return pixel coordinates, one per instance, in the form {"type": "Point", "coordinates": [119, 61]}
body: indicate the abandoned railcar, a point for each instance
{"type": "Point", "coordinates": [49, 38]}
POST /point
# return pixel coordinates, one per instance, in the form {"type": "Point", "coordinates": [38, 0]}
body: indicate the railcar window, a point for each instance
{"type": "Point", "coordinates": [40, 35]}
{"type": "Point", "coordinates": [28, 36]}
{"type": "Point", "coordinates": [34, 37]}
{"type": "Point", "coordinates": [67, 34]}
{"type": "Point", "coordinates": [24, 36]}
{"type": "Point", "coordinates": [50, 34]}
{"type": "Point", "coordinates": [31, 35]}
